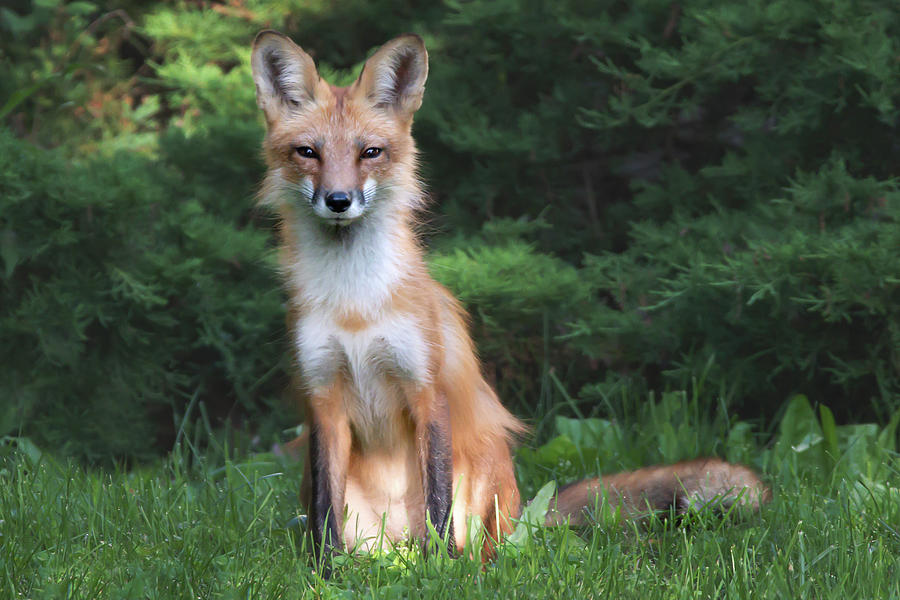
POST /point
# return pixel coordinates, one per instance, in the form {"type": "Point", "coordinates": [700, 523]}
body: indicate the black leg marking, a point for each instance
{"type": "Point", "coordinates": [439, 482]}
{"type": "Point", "coordinates": [322, 519]}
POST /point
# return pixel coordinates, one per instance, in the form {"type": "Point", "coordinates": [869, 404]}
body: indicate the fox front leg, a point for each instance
{"type": "Point", "coordinates": [435, 451]}
{"type": "Point", "coordinates": [329, 456]}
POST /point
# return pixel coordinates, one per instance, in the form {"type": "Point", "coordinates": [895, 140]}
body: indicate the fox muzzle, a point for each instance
{"type": "Point", "coordinates": [339, 207]}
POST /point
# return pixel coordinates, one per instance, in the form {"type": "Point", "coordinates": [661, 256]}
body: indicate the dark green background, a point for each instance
{"type": "Point", "coordinates": [627, 196]}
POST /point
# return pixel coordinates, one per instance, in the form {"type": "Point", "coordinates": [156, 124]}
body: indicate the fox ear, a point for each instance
{"type": "Point", "coordinates": [285, 75]}
{"type": "Point", "coordinates": [394, 77]}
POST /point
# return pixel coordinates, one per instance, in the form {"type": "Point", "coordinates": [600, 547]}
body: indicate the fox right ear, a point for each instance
{"type": "Point", "coordinates": [285, 75]}
{"type": "Point", "coordinates": [394, 77]}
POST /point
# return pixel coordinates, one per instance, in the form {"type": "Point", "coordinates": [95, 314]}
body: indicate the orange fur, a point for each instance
{"type": "Point", "coordinates": [385, 364]}
{"type": "Point", "coordinates": [398, 355]}
{"type": "Point", "coordinates": [682, 486]}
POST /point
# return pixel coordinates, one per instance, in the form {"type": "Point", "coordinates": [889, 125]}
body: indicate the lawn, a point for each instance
{"type": "Point", "coordinates": [210, 525]}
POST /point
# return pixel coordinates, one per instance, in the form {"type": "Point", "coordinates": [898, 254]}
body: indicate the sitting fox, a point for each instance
{"type": "Point", "coordinates": [403, 428]}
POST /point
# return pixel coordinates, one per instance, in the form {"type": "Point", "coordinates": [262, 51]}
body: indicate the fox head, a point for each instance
{"type": "Point", "coordinates": [339, 155]}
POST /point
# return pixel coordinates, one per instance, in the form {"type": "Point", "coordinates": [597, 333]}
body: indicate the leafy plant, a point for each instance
{"type": "Point", "coordinates": [628, 198]}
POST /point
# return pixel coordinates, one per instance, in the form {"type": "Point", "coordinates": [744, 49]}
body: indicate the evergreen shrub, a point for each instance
{"type": "Point", "coordinates": [628, 197]}
{"type": "Point", "coordinates": [124, 298]}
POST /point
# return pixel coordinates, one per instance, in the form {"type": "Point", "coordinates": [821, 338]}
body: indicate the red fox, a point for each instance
{"type": "Point", "coordinates": [403, 427]}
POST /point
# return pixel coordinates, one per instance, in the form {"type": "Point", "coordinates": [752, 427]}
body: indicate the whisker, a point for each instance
{"type": "Point", "coordinates": [303, 189]}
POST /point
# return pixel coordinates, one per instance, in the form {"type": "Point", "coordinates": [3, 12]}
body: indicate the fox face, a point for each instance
{"type": "Point", "coordinates": [338, 155]}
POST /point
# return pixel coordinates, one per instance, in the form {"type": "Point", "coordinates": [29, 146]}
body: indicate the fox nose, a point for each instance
{"type": "Point", "coordinates": [338, 201]}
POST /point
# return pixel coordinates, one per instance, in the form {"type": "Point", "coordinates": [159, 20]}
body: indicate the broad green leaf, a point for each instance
{"type": "Point", "coordinates": [740, 445]}
{"type": "Point", "coordinates": [800, 437]}
{"type": "Point", "coordinates": [861, 454]}
{"type": "Point", "coordinates": [887, 439]}
{"type": "Point", "coordinates": [24, 446]}
{"type": "Point", "coordinates": [586, 433]}
{"type": "Point", "coordinates": [556, 452]}
{"type": "Point", "coordinates": [534, 514]}
{"type": "Point", "coordinates": [829, 431]}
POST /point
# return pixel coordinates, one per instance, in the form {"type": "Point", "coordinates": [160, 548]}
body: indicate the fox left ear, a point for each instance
{"type": "Point", "coordinates": [285, 75]}
{"type": "Point", "coordinates": [394, 77]}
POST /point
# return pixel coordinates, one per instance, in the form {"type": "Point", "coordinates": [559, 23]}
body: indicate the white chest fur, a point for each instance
{"type": "Point", "coordinates": [356, 272]}
{"type": "Point", "coordinates": [371, 361]}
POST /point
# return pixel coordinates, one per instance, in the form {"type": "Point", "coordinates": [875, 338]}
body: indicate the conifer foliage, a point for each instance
{"type": "Point", "coordinates": [626, 197]}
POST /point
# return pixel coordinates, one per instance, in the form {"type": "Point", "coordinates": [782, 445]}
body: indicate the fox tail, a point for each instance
{"type": "Point", "coordinates": [682, 487]}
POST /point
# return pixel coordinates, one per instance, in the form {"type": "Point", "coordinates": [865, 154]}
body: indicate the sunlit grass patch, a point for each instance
{"type": "Point", "coordinates": [213, 526]}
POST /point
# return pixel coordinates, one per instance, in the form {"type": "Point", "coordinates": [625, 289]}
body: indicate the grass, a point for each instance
{"type": "Point", "coordinates": [210, 526]}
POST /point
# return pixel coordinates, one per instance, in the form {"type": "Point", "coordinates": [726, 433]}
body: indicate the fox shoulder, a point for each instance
{"type": "Point", "coordinates": [683, 486]}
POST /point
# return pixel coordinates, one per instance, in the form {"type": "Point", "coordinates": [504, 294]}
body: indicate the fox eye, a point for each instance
{"type": "Point", "coordinates": [371, 152]}
{"type": "Point", "coordinates": [306, 152]}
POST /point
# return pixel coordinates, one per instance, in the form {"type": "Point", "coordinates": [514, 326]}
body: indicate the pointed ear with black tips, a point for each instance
{"type": "Point", "coordinates": [285, 75]}
{"type": "Point", "coordinates": [394, 77]}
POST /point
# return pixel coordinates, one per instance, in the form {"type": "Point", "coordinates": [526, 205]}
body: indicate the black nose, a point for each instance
{"type": "Point", "coordinates": [338, 201]}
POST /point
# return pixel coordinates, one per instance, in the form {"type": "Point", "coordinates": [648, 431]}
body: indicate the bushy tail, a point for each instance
{"type": "Point", "coordinates": [680, 487]}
